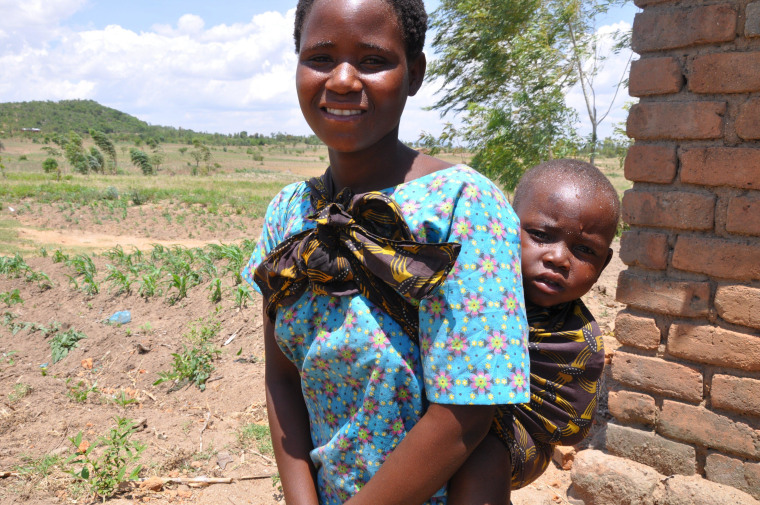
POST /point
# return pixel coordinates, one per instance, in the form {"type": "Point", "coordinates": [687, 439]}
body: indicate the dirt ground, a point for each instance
{"type": "Point", "coordinates": [188, 432]}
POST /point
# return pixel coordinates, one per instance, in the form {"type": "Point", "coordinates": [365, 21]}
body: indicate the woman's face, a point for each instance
{"type": "Point", "coordinates": [353, 77]}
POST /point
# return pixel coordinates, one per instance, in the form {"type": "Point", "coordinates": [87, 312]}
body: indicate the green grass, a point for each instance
{"type": "Point", "coordinates": [9, 241]}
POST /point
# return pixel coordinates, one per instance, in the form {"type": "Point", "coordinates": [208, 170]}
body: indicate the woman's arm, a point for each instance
{"type": "Point", "coordinates": [289, 424]}
{"type": "Point", "coordinates": [430, 454]}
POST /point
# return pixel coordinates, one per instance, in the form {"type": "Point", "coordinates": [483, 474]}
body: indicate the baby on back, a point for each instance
{"type": "Point", "coordinates": [569, 213]}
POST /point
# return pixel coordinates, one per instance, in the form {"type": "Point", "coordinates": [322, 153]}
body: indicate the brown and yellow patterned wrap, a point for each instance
{"type": "Point", "coordinates": [361, 244]}
{"type": "Point", "coordinates": [566, 362]}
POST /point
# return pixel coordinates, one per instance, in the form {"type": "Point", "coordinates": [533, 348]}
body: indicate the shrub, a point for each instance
{"type": "Point", "coordinates": [50, 166]}
{"type": "Point", "coordinates": [195, 364]}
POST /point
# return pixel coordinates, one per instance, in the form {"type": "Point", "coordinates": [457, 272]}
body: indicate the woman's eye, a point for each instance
{"type": "Point", "coordinates": [373, 61]}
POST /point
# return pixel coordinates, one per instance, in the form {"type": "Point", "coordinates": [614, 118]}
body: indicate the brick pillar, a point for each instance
{"type": "Point", "coordinates": [687, 394]}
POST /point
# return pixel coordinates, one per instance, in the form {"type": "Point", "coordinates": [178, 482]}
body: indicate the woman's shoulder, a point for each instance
{"type": "Point", "coordinates": [291, 195]}
{"type": "Point", "coordinates": [462, 178]}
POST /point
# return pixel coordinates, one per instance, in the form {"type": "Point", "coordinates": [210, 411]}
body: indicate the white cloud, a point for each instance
{"type": "Point", "coordinates": [224, 78]}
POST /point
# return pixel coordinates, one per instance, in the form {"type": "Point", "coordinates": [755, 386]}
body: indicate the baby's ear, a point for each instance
{"type": "Point", "coordinates": [417, 73]}
{"type": "Point", "coordinates": [607, 261]}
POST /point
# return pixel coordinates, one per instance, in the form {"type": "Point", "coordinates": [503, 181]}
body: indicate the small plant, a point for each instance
{"type": "Point", "coordinates": [112, 459]}
{"type": "Point", "coordinates": [20, 390]}
{"type": "Point", "coordinates": [8, 358]}
{"type": "Point", "coordinates": [242, 295]}
{"type": "Point", "coordinates": [11, 297]}
{"type": "Point", "coordinates": [257, 435]}
{"type": "Point", "coordinates": [62, 343]}
{"type": "Point", "coordinates": [121, 281]}
{"type": "Point", "coordinates": [181, 284]}
{"type": "Point", "coordinates": [195, 364]}
{"type": "Point", "coordinates": [216, 290]}
{"type": "Point", "coordinates": [123, 400]}
{"type": "Point", "coordinates": [59, 256]}
{"type": "Point", "coordinates": [148, 286]}
{"type": "Point", "coordinates": [81, 390]}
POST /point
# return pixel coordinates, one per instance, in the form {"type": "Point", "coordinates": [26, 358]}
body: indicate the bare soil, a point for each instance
{"type": "Point", "coordinates": [188, 432]}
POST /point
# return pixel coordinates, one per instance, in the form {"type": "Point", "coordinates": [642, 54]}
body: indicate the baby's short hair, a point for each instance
{"type": "Point", "coordinates": [411, 16]}
{"type": "Point", "coordinates": [590, 178]}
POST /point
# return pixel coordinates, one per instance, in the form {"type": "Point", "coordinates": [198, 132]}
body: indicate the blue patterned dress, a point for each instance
{"type": "Point", "coordinates": [366, 382]}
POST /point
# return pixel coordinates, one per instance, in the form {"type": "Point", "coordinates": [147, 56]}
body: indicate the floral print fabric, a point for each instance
{"type": "Point", "coordinates": [365, 382]}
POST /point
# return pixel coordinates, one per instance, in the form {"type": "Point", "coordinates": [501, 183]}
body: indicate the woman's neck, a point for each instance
{"type": "Point", "coordinates": [381, 166]}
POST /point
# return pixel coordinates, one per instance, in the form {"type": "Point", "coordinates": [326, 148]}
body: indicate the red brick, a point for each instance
{"type": "Point", "coordinates": [725, 73]}
{"type": "Point", "coordinates": [720, 258]}
{"type": "Point", "coordinates": [658, 376]}
{"type": "Point", "coordinates": [644, 3]}
{"type": "Point", "coordinates": [736, 394]}
{"type": "Point", "coordinates": [676, 120]}
{"type": "Point", "coordinates": [739, 305]}
{"type": "Point", "coordinates": [669, 209]}
{"type": "Point", "coordinates": [665, 456]}
{"type": "Point", "coordinates": [641, 332]}
{"type": "Point", "coordinates": [655, 76]}
{"type": "Point", "coordinates": [632, 408]}
{"type": "Point", "coordinates": [742, 215]}
{"type": "Point", "coordinates": [734, 472]}
{"type": "Point", "coordinates": [645, 249]}
{"type": "Point", "coordinates": [752, 27]}
{"type": "Point", "coordinates": [715, 346]}
{"type": "Point", "coordinates": [721, 166]}
{"type": "Point", "coordinates": [748, 120]}
{"type": "Point", "coordinates": [651, 163]}
{"type": "Point", "coordinates": [698, 425]}
{"type": "Point", "coordinates": [678, 298]}
{"type": "Point", "coordinates": [656, 30]}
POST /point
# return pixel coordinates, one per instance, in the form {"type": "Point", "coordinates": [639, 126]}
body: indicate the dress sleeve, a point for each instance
{"type": "Point", "coordinates": [283, 214]}
{"type": "Point", "coordinates": [474, 331]}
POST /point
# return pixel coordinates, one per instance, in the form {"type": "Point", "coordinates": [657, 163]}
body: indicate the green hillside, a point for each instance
{"type": "Point", "coordinates": [59, 118]}
{"type": "Point", "coordinates": [67, 115]}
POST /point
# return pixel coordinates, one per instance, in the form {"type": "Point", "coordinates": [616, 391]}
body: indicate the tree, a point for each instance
{"type": "Point", "coordinates": [141, 160]}
{"type": "Point", "coordinates": [507, 65]}
{"type": "Point", "coordinates": [106, 145]}
{"type": "Point", "coordinates": [588, 61]}
{"type": "Point", "coordinates": [50, 165]}
{"type": "Point", "coordinates": [75, 153]}
{"type": "Point", "coordinates": [200, 152]}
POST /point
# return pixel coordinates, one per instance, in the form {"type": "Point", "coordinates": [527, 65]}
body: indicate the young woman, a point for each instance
{"type": "Point", "coordinates": [394, 321]}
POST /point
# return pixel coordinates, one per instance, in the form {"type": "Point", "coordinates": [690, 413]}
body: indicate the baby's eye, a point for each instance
{"type": "Point", "coordinates": [539, 235]}
{"type": "Point", "coordinates": [586, 250]}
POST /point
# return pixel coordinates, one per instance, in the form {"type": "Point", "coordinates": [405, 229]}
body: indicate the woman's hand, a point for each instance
{"type": "Point", "coordinates": [289, 424]}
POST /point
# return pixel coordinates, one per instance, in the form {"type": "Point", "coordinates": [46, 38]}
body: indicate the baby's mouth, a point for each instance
{"type": "Point", "coordinates": [549, 283]}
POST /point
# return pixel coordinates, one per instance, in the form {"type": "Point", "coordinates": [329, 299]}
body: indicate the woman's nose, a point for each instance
{"type": "Point", "coordinates": [344, 79]}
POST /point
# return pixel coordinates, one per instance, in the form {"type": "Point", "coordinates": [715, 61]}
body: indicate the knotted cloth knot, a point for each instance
{"type": "Point", "coordinates": [361, 244]}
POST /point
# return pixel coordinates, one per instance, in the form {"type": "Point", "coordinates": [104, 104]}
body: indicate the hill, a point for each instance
{"type": "Point", "coordinates": [67, 115]}
{"type": "Point", "coordinates": [59, 118]}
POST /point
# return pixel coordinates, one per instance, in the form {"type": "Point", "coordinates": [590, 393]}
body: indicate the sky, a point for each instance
{"type": "Point", "coordinates": [223, 67]}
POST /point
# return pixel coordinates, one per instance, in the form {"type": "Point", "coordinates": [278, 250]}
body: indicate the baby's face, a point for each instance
{"type": "Point", "coordinates": [565, 239]}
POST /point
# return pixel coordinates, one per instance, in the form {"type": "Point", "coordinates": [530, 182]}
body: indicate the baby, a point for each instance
{"type": "Point", "coordinates": [569, 214]}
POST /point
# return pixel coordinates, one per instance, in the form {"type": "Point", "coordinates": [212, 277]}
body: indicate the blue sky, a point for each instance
{"type": "Point", "coordinates": [209, 66]}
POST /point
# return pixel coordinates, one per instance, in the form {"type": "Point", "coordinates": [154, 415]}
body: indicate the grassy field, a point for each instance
{"type": "Point", "coordinates": [239, 184]}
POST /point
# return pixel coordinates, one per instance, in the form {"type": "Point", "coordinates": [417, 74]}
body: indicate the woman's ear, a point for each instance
{"type": "Point", "coordinates": [417, 73]}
